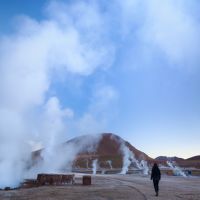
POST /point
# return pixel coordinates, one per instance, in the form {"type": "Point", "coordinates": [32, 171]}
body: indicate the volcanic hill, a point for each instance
{"type": "Point", "coordinates": [106, 148]}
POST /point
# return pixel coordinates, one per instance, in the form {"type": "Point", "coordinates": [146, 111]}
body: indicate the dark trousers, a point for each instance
{"type": "Point", "coordinates": [156, 186]}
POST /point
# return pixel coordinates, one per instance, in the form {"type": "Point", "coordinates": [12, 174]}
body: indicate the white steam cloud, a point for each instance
{"type": "Point", "coordinates": [94, 166]}
{"type": "Point", "coordinates": [128, 159]}
{"type": "Point", "coordinates": [77, 38]}
{"type": "Point", "coordinates": [60, 158]}
{"type": "Point", "coordinates": [28, 60]}
{"type": "Point", "coordinates": [176, 170]}
{"type": "Point", "coordinates": [110, 163]}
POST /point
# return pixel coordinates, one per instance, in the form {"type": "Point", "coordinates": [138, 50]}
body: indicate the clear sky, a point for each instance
{"type": "Point", "coordinates": [130, 67]}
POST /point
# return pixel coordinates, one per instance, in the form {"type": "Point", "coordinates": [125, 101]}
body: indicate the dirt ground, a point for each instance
{"type": "Point", "coordinates": [112, 187]}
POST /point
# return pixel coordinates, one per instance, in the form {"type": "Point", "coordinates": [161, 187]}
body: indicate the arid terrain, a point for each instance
{"type": "Point", "coordinates": [112, 187]}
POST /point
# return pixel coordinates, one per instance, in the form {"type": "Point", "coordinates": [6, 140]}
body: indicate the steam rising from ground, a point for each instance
{"type": "Point", "coordinates": [66, 45]}
{"type": "Point", "coordinates": [64, 155]}
{"type": "Point", "coordinates": [30, 60]}
{"type": "Point", "coordinates": [145, 167]}
{"type": "Point", "coordinates": [176, 170]}
{"type": "Point", "coordinates": [129, 158]}
{"type": "Point", "coordinates": [94, 166]}
{"type": "Point", "coordinates": [110, 163]}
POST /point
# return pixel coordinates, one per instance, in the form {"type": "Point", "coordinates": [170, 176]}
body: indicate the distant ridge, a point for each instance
{"type": "Point", "coordinates": [194, 158]}
{"type": "Point", "coordinates": [165, 158]}
{"type": "Point", "coordinates": [185, 163]}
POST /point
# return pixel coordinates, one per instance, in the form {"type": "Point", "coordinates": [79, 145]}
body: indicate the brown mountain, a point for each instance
{"type": "Point", "coordinates": [108, 149]}
{"type": "Point", "coordinates": [191, 162]}
{"type": "Point", "coordinates": [194, 158]}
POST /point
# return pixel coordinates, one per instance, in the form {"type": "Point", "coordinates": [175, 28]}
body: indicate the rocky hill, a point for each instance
{"type": "Point", "coordinates": [108, 149]}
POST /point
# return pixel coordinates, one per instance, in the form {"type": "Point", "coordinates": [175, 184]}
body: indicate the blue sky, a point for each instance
{"type": "Point", "coordinates": [130, 67]}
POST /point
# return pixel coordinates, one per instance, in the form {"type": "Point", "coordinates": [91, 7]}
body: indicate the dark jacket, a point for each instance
{"type": "Point", "coordinates": [155, 173]}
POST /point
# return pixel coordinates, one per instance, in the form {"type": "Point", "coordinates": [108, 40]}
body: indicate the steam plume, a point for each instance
{"type": "Point", "coordinates": [94, 166]}
{"type": "Point", "coordinates": [176, 170]}
{"type": "Point", "coordinates": [128, 158]}
{"type": "Point", "coordinates": [110, 163]}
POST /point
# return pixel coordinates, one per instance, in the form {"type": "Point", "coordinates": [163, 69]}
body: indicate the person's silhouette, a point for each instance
{"type": "Point", "coordinates": [155, 176]}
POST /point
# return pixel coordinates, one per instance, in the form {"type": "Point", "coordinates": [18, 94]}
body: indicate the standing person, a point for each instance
{"type": "Point", "coordinates": [156, 175]}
